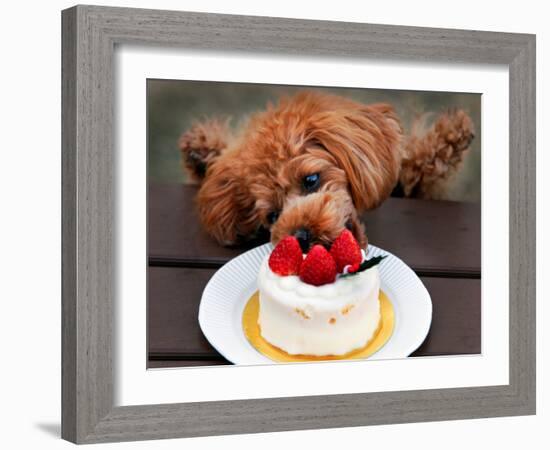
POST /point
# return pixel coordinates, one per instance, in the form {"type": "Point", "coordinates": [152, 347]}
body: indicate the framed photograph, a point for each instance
{"type": "Point", "coordinates": [277, 224]}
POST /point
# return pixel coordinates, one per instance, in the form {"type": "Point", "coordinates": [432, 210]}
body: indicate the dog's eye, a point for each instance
{"type": "Point", "coordinates": [311, 182]}
{"type": "Point", "coordinates": [272, 217]}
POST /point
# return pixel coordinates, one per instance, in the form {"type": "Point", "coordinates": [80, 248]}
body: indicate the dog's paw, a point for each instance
{"type": "Point", "coordinates": [434, 156]}
{"type": "Point", "coordinates": [202, 144]}
{"type": "Point", "coordinates": [455, 131]}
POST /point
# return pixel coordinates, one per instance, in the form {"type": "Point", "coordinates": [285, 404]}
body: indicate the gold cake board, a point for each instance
{"type": "Point", "coordinates": [252, 332]}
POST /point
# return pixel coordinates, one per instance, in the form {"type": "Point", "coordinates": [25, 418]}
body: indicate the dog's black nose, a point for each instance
{"type": "Point", "coordinates": [304, 237]}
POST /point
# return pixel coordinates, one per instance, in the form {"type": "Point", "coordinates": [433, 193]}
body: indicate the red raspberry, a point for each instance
{"type": "Point", "coordinates": [346, 251]}
{"type": "Point", "coordinates": [286, 258]}
{"type": "Point", "coordinates": [319, 267]}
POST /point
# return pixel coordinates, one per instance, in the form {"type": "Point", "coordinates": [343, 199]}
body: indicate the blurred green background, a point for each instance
{"type": "Point", "coordinates": [173, 105]}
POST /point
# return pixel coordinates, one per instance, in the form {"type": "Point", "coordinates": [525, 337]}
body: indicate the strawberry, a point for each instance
{"type": "Point", "coordinates": [345, 250]}
{"type": "Point", "coordinates": [286, 258]}
{"type": "Point", "coordinates": [319, 267]}
{"type": "Point", "coordinates": [353, 268]}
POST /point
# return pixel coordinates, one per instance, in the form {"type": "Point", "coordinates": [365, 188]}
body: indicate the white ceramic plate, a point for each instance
{"type": "Point", "coordinates": [225, 296]}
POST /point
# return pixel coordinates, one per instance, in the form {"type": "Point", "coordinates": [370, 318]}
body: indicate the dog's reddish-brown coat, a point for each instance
{"type": "Point", "coordinates": [359, 151]}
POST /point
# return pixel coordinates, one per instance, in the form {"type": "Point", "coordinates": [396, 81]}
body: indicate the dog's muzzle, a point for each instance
{"type": "Point", "coordinates": [304, 237]}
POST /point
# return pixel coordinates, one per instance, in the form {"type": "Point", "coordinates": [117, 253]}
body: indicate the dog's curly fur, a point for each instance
{"type": "Point", "coordinates": [255, 179]}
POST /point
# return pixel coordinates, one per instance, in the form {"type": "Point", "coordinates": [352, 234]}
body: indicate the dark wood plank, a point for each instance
{"type": "Point", "coordinates": [175, 234]}
{"type": "Point", "coordinates": [161, 364]}
{"type": "Point", "coordinates": [456, 321]}
{"type": "Point", "coordinates": [174, 333]}
{"type": "Point", "coordinates": [172, 310]}
{"type": "Point", "coordinates": [433, 237]}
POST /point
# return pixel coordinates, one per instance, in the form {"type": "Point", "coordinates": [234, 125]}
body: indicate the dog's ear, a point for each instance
{"type": "Point", "coordinates": [365, 142]}
{"type": "Point", "coordinates": [225, 206]}
{"type": "Point", "coordinates": [202, 144]}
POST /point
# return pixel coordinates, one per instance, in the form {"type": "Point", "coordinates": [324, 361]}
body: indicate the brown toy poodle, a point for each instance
{"type": "Point", "coordinates": [311, 164]}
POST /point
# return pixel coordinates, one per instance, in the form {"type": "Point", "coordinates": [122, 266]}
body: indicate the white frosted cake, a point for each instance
{"type": "Point", "coordinates": [331, 319]}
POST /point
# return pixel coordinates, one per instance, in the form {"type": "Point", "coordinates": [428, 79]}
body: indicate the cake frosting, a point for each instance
{"type": "Point", "coordinates": [332, 319]}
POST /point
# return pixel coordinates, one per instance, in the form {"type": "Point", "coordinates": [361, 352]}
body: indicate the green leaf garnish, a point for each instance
{"type": "Point", "coordinates": [366, 264]}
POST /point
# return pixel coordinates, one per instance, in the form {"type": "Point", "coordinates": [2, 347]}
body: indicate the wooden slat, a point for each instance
{"type": "Point", "coordinates": [154, 364]}
{"type": "Point", "coordinates": [436, 238]}
{"type": "Point", "coordinates": [175, 234]}
{"type": "Point", "coordinates": [456, 321]}
{"type": "Point", "coordinates": [433, 237]}
{"type": "Point", "coordinates": [175, 295]}
{"type": "Point", "coordinates": [173, 309]}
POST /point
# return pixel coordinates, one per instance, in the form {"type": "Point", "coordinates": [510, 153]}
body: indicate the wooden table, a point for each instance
{"type": "Point", "coordinates": [440, 240]}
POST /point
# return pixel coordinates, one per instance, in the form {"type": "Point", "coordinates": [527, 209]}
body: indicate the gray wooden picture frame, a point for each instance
{"type": "Point", "coordinates": [90, 34]}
